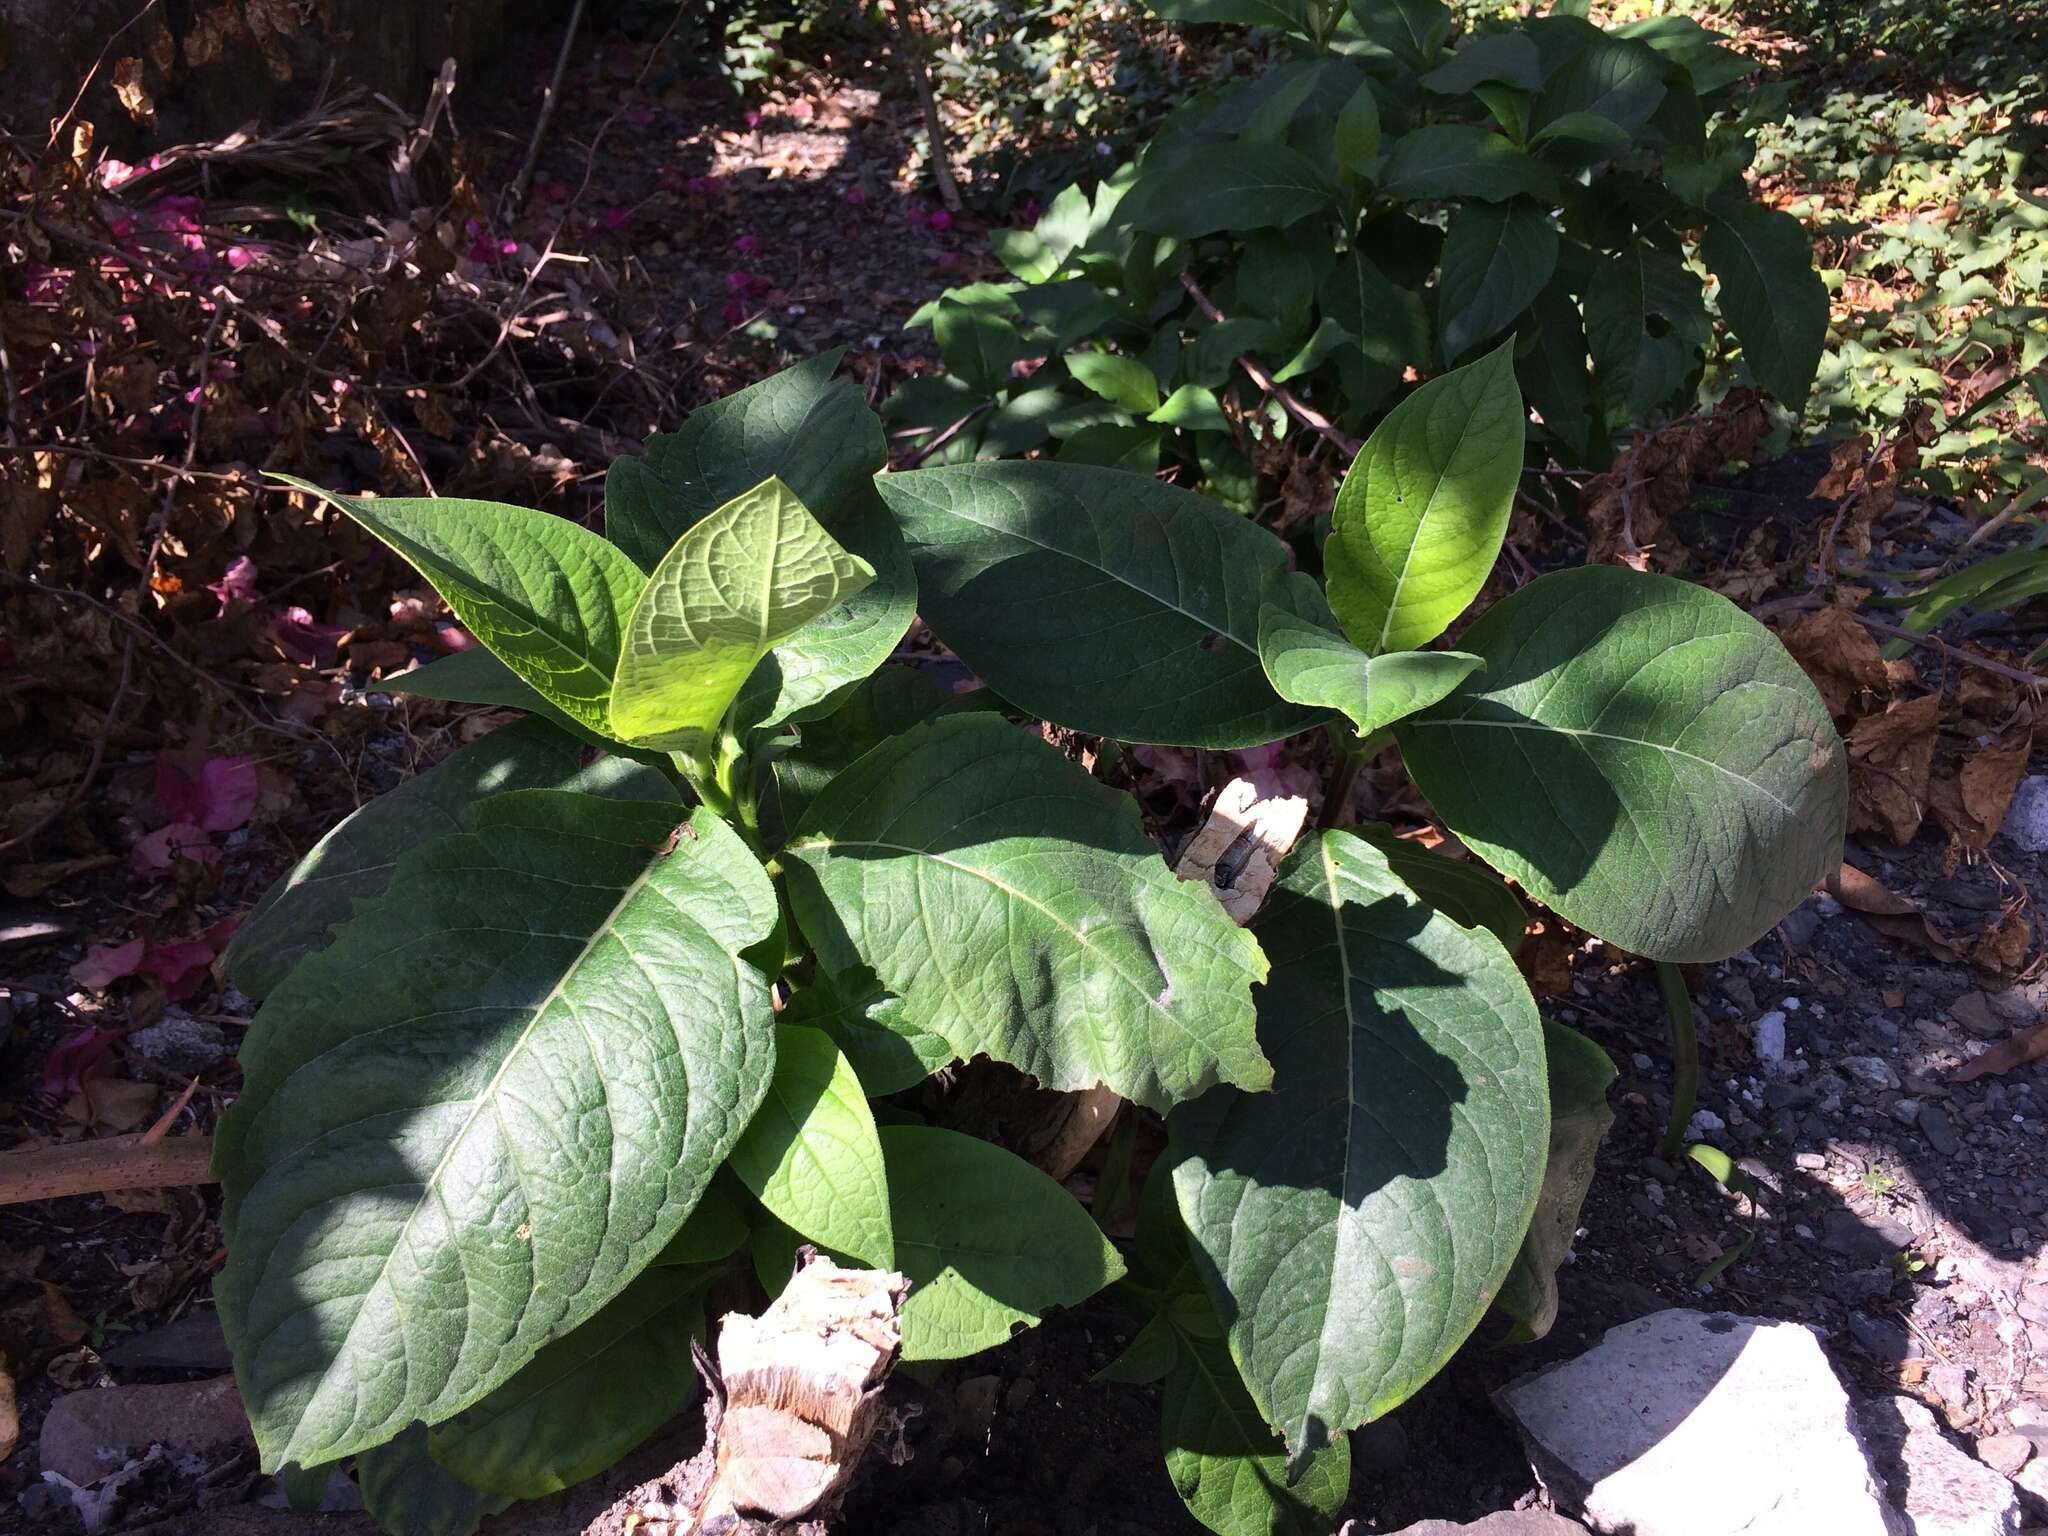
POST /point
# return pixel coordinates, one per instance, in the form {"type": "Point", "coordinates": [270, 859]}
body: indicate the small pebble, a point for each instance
{"type": "Point", "coordinates": [1812, 1162]}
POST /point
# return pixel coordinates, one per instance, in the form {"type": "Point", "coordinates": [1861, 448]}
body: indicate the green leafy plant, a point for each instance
{"type": "Point", "coordinates": [1380, 204]}
{"type": "Point", "coordinates": [553, 1033]}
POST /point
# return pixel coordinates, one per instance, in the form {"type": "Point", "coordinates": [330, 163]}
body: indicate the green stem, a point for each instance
{"type": "Point", "coordinates": [1685, 1059]}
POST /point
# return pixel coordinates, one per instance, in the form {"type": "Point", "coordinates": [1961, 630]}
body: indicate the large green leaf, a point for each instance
{"type": "Point", "coordinates": [894, 699]}
{"type": "Point", "coordinates": [586, 1399]}
{"type": "Point", "coordinates": [1354, 1224]}
{"type": "Point", "coordinates": [819, 438]}
{"type": "Point", "coordinates": [550, 597]}
{"type": "Point", "coordinates": [1497, 258]}
{"type": "Point", "coordinates": [1694, 49]}
{"type": "Point", "coordinates": [1388, 321]}
{"type": "Point", "coordinates": [1444, 161]}
{"type": "Point", "coordinates": [978, 344]}
{"type": "Point", "coordinates": [1236, 187]}
{"type": "Point", "coordinates": [741, 581]}
{"type": "Point", "coordinates": [1101, 600]}
{"type": "Point", "coordinates": [987, 1240]}
{"type": "Point", "coordinates": [1123, 381]}
{"type": "Point", "coordinates": [408, 1493]}
{"type": "Point", "coordinates": [352, 864]}
{"type": "Point", "coordinates": [1505, 58]}
{"type": "Point", "coordinates": [1308, 664]}
{"type": "Point", "coordinates": [810, 1154]}
{"type": "Point", "coordinates": [1643, 757]}
{"type": "Point", "coordinates": [1611, 78]}
{"type": "Point", "coordinates": [1414, 31]}
{"type": "Point", "coordinates": [1225, 1462]}
{"type": "Point", "coordinates": [1770, 294]}
{"type": "Point", "coordinates": [466, 1124]}
{"type": "Point", "coordinates": [1579, 1075]}
{"type": "Point", "coordinates": [1646, 322]}
{"type": "Point", "coordinates": [1424, 507]}
{"type": "Point", "coordinates": [1020, 911]}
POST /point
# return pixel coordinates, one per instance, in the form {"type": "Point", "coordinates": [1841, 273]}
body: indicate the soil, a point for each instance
{"type": "Point", "coordinates": [1901, 1213]}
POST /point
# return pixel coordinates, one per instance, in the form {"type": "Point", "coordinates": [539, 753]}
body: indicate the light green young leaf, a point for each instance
{"type": "Point", "coordinates": [1354, 1224]}
{"type": "Point", "coordinates": [586, 1399]}
{"type": "Point", "coordinates": [1643, 758]}
{"type": "Point", "coordinates": [1424, 507]}
{"type": "Point", "coordinates": [1024, 568]}
{"type": "Point", "coordinates": [1497, 258]}
{"type": "Point", "coordinates": [1309, 664]}
{"type": "Point", "coordinates": [816, 435]}
{"type": "Point", "coordinates": [408, 1493]}
{"type": "Point", "coordinates": [1192, 408]}
{"type": "Point", "coordinates": [1234, 187]}
{"type": "Point", "coordinates": [810, 1154]}
{"type": "Point", "coordinates": [1122, 381]}
{"type": "Point", "coordinates": [1445, 161]}
{"type": "Point", "coordinates": [1579, 1075]}
{"type": "Point", "coordinates": [541, 1008]}
{"type": "Point", "coordinates": [747, 577]}
{"type": "Point", "coordinates": [1228, 1466]}
{"type": "Point", "coordinates": [549, 597]}
{"type": "Point", "coordinates": [1770, 294]}
{"type": "Point", "coordinates": [352, 864]}
{"type": "Point", "coordinates": [987, 1240]}
{"type": "Point", "coordinates": [1020, 911]}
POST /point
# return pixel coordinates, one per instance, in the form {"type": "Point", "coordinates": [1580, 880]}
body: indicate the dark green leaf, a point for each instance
{"type": "Point", "coordinates": [1123, 381]}
{"type": "Point", "coordinates": [866, 1023]}
{"type": "Point", "coordinates": [1508, 58]}
{"type": "Point", "coordinates": [1464, 890]}
{"type": "Point", "coordinates": [1288, 15]}
{"type": "Point", "coordinates": [408, 1493]}
{"type": "Point", "coordinates": [1579, 1117]}
{"type": "Point", "coordinates": [1025, 568]}
{"type": "Point", "coordinates": [1646, 322]}
{"type": "Point", "coordinates": [977, 344]}
{"type": "Point", "coordinates": [586, 1399]}
{"type": "Point", "coordinates": [1230, 187]}
{"type": "Point", "coordinates": [1389, 322]}
{"type": "Point", "coordinates": [1613, 79]}
{"type": "Point", "coordinates": [1354, 1224]}
{"type": "Point", "coordinates": [1020, 911]}
{"type": "Point", "coordinates": [1694, 49]}
{"type": "Point", "coordinates": [987, 1240]}
{"type": "Point", "coordinates": [1445, 161]}
{"type": "Point", "coordinates": [476, 676]}
{"type": "Point", "coordinates": [1770, 294]}
{"type": "Point", "coordinates": [1133, 449]}
{"type": "Point", "coordinates": [543, 1008]}
{"type": "Point", "coordinates": [1643, 757]}
{"type": "Point", "coordinates": [1414, 31]}
{"type": "Point", "coordinates": [352, 864]}
{"type": "Point", "coordinates": [1552, 367]}
{"type": "Point", "coordinates": [1497, 258]}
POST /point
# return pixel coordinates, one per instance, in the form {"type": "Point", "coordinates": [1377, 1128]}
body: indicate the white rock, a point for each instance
{"type": "Point", "coordinates": [2026, 818]}
{"type": "Point", "coordinates": [1690, 1423]}
{"type": "Point", "coordinates": [1704, 1122]}
{"type": "Point", "coordinates": [1768, 1035]}
{"type": "Point", "coordinates": [1873, 1071]}
{"type": "Point", "coordinates": [1945, 1490]}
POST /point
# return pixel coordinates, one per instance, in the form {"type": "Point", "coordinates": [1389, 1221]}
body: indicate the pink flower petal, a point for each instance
{"type": "Point", "coordinates": [734, 313]}
{"type": "Point", "coordinates": [74, 1060]}
{"type": "Point", "coordinates": [181, 967]}
{"type": "Point", "coordinates": [165, 846]}
{"type": "Point", "coordinates": [748, 245]}
{"type": "Point", "coordinates": [940, 219]}
{"type": "Point", "coordinates": [237, 583]}
{"type": "Point", "coordinates": [304, 641]}
{"type": "Point", "coordinates": [227, 793]}
{"type": "Point", "coordinates": [105, 964]}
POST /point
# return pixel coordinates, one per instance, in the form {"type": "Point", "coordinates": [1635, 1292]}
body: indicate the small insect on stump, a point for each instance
{"type": "Point", "coordinates": [791, 1406]}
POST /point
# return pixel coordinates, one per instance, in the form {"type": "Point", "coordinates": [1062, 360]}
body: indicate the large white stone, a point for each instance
{"type": "Point", "coordinates": [1944, 1490]}
{"type": "Point", "coordinates": [1691, 1423]}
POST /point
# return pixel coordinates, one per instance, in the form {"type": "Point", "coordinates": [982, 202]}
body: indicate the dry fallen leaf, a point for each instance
{"type": "Point", "coordinates": [1629, 507]}
{"type": "Point", "coordinates": [1865, 485]}
{"type": "Point", "coordinates": [112, 1104]}
{"type": "Point", "coordinates": [1841, 657]}
{"type": "Point", "coordinates": [2030, 1044]}
{"type": "Point", "coordinates": [2001, 950]}
{"type": "Point", "coordinates": [1888, 913]}
{"type": "Point", "coordinates": [1890, 758]}
{"type": "Point", "coordinates": [1972, 799]}
{"type": "Point", "coordinates": [10, 1412]}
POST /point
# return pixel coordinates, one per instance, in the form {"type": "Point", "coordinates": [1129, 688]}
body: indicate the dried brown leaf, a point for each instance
{"type": "Point", "coordinates": [1842, 658]}
{"type": "Point", "coordinates": [2030, 1044]}
{"type": "Point", "coordinates": [1629, 507]}
{"type": "Point", "coordinates": [2001, 949]}
{"type": "Point", "coordinates": [1890, 759]}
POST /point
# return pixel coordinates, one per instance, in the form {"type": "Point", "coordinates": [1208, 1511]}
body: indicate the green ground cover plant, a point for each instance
{"type": "Point", "coordinates": [1383, 203]}
{"type": "Point", "coordinates": [621, 1003]}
